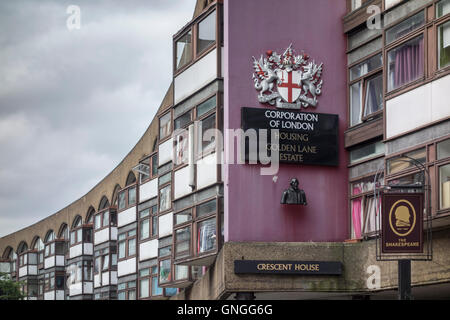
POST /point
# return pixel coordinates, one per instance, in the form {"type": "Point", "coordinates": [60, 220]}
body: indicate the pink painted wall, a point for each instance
{"type": "Point", "coordinates": [252, 202]}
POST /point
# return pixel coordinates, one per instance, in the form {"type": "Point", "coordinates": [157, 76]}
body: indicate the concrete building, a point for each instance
{"type": "Point", "coordinates": [356, 87]}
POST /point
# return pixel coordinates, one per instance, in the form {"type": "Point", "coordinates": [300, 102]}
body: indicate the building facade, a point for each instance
{"type": "Point", "coordinates": [186, 213]}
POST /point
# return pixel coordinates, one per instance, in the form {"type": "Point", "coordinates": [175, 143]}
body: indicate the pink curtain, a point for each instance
{"type": "Point", "coordinates": [356, 213]}
{"type": "Point", "coordinates": [408, 63]}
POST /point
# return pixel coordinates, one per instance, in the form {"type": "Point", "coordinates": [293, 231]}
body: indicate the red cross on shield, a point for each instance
{"type": "Point", "coordinates": [290, 87]}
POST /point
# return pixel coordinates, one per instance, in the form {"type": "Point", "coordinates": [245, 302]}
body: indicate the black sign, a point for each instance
{"type": "Point", "coordinates": [287, 267]}
{"type": "Point", "coordinates": [304, 137]}
{"type": "Point", "coordinates": [402, 223]}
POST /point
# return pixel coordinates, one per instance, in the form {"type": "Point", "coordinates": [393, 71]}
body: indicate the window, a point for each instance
{"type": "Point", "coordinates": [406, 63]}
{"type": "Point", "coordinates": [183, 49]}
{"type": "Point", "coordinates": [206, 106]}
{"type": "Point", "coordinates": [206, 238]}
{"type": "Point", "coordinates": [156, 289]}
{"type": "Point", "coordinates": [205, 125]}
{"type": "Point", "coordinates": [206, 35]}
{"type": "Point", "coordinates": [444, 185]}
{"type": "Point", "coordinates": [127, 198]}
{"type": "Point", "coordinates": [49, 281]}
{"type": "Point", "coordinates": [181, 147]}
{"type": "Point", "coordinates": [405, 27]}
{"type": "Point", "coordinates": [165, 127]}
{"type": "Point", "coordinates": [165, 271]}
{"type": "Point", "coordinates": [126, 291]}
{"type": "Point", "coordinates": [105, 219]}
{"type": "Point", "coordinates": [148, 225]}
{"type": "Point", "coordinates": [366, 89]}
{"type": "Point", "coordinates": [148, 168]}
{"type": "Point", "coordinates": [444, 44]}
{"type": "Point", "coordinates": [183, 242]}
{"type": "Point", "coordinates": [127, 244]}
{"type": "Point", "coordinates": [356, 4]}
{"type": "Point", "coordinates": [402, 163]}
{"type": "Point", "coordinates": [363, 207]}
{"type": "Point", "coordinates": [105, 260]}
{"type": "Point", "coordinates": [183, 216]}
{"type": "Point", "coordinates": [442, 8]}
{"type": "Point", "coordinates": [366, 152]}
{"type": "Point", "coordinates": [165, 198]}
{"type": "Point", "coordinates": [144, 283]}
{"type": "Point", "coordinates": [183, 120]}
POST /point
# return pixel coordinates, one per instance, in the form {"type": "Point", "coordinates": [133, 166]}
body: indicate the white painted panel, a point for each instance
{"type": "Point", "coordinates": [49, 295]}
{"type": "Point", "coordinates": [105, 278]}
{"type": "Point", "coordinates": [148, 190]}
{"type": "Point", "coordinates": [148, 250]}
{"type": "Point", "coordinates": [206, 171]}
{"type": "Point", "coordinates": [88, 248]}
{"type": "Point", "coordinates": [126, 267]}
{"type": "Point", "coordinates": [165, 152]}
{"type": "Point", "coordinates": [113, 277]}
{"type": "Point", "coordinates": [181, 182]}
{"type": "Point", "coordinates": [165, 225]}
{"type": "Point", "coordinates": [408, 111]}
{"type": "Point", "coordinates": [391, 3]}
{"type": "Point", "coordinates": [49, 262]}
{"type": "Point", "coordinates": [76, 251]}
{"type": "Point", "coordinates": [88, 288]}
{"type": "Point", "coordinates": [60, 295]}
{"type": "Point", "coordinates": [97, 282]}
{"type": "Point", "coordinates": [196, 76]}
{"type": "Point", "coordinates": [440, 107]}
{"type": "Point", "coordinates": [113, 233]}
{"type": "Point", "coordinates": [75, 289]}
{"type": "Point", "coordinates": [60, 261]}
{"type": "Point", "coordinates": [23, 271]}
{"type": "Point", "coordinates": [33, 270]}
{"type": "Point", "coordinates": [126, 217]}
{"type": "Point", "coordinates": [101, 236]}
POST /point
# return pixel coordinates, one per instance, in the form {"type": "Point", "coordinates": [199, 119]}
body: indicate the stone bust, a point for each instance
{"type": "Point", "coordinates": [294, 195]}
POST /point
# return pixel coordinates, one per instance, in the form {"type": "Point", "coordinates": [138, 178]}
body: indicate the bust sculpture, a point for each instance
{"type": "Point", "coordinates": [294, 195]}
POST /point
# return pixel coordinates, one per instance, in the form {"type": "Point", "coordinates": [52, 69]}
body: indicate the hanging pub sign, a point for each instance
{"type": "Point", "coordinates": [303, 137]}
{"type": "Point", "coordinates": [402, 223]}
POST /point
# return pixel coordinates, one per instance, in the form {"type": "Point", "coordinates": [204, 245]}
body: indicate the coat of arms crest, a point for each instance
{"type": "Point", "coordinates": [297, 79]}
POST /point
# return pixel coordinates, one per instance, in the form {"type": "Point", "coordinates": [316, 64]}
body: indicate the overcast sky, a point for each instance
{"type": "Point", "coordinates": [74, 102]}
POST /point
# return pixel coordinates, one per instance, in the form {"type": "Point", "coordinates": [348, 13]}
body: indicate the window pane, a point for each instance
{"type": "Point", "coordinates": [105, 219]}
{"type": "Point", "coordinates": [144, 168]}
{"type": "Point", "coordinates": [355, 103]}
{"type": "Point", "coordinates": [122, 246]}
{"type": "Point", "coordinates": [444, 44]}
{"type": "Point", "coordinates": [164, 271]}
{"type": "Point", "coordinates": [443, 8]}
{"type": "Point", "coordinates": [145, 229]}
{"type": "Point", "coordinates": [181, 272]}
{"type": "Point", "coordinates": [165, 178]}
{"type": "Point", "coordinates": [206, 208]}
{"type": "Point", "coordinates": [409, 180]}
{"type": "Point", "coordinates": [366, 66]}
{"type": "Point", "coordinates": [131, 247]}
{"type": "Point", "coordinates": [206, 106]}
{"type": "Point", "coordinates": [165, 198]}
{"type": "Point", "coordinates": [131, 196]}
{"type": "Point", "coordinates": [444, 183]}
{"type": "Point", "coordinates": [443, 149]}
{"type": "Point", "coordinates": [400, 163]}
{"type": "Point", "coordinates": [154, 226]}
{"type": "Point", "coordinates": [97, 220]}
{"type": "Point", "coordinates": [405, 27]}
{"type": "Point", "coordinates": [105, 262]}
{"type": "Point", "coordinates": [367, 151]}
{"type": "Point", "coordinates": [181, 148]}
{"type": "Point", "coordinates": [206, 32]}
{"type": "Point", "coordinates": [405, 63]}
{"type": "Point", "coordinates": [183, 120]}
{"type": "Point", "coordinates": [183, 216]}
{"type": "Point", "coordinates": [206, 238]}
{"type": "Point", "coordinates": [206, 124]}
{"type": "Point", "coordinates": [122, 203]}
{"type": "Point", "coordinates": [143, 288]}
{"type": "Point", "coordinates": [154, 165]}
{"type": "Point", "coordinates": [164, 125]}
{"type": "Point", "coordinates": [165, 251]}
{"type": "Point", "coordinates": [374, 95]}
{"type": "Point", "coordinates": [132, 295]}
{"type": "Point", "coordinates": [79, 235]}
{"type": "Point", "coordinates": [156, 290]}
{"type": "Point", "coordinates": [184, 50]}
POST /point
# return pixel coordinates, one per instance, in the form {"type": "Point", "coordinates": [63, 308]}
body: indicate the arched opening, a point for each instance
{"type": "Point", "coordinates": [90, 215]}
{"type": "Point", "coordinates": [22, 247]}
{"type": "Point", "coordinates": [77, 222]}
{"type": "Point", "coordinates": [131, 178]}
{"type": "Point", "coordinates": [104, 203]}
{"type": "Point", "coordinates": [63, 232]}
{"type": "Point", "coordinates": [115, 195]}
{"type": "Point", "coordinates": [49, 236]}
{"type": "Point", "coordinates": [8, 252]}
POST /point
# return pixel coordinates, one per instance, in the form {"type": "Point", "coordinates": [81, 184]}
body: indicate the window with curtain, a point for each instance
{"type": "Point", "coordinates": [364, 208]}
{"type": "Point", "coordinates": [406, 63]}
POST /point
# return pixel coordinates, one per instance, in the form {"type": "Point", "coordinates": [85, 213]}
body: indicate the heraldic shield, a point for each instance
{"type": "Point", "coordinates": [289, 86]}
